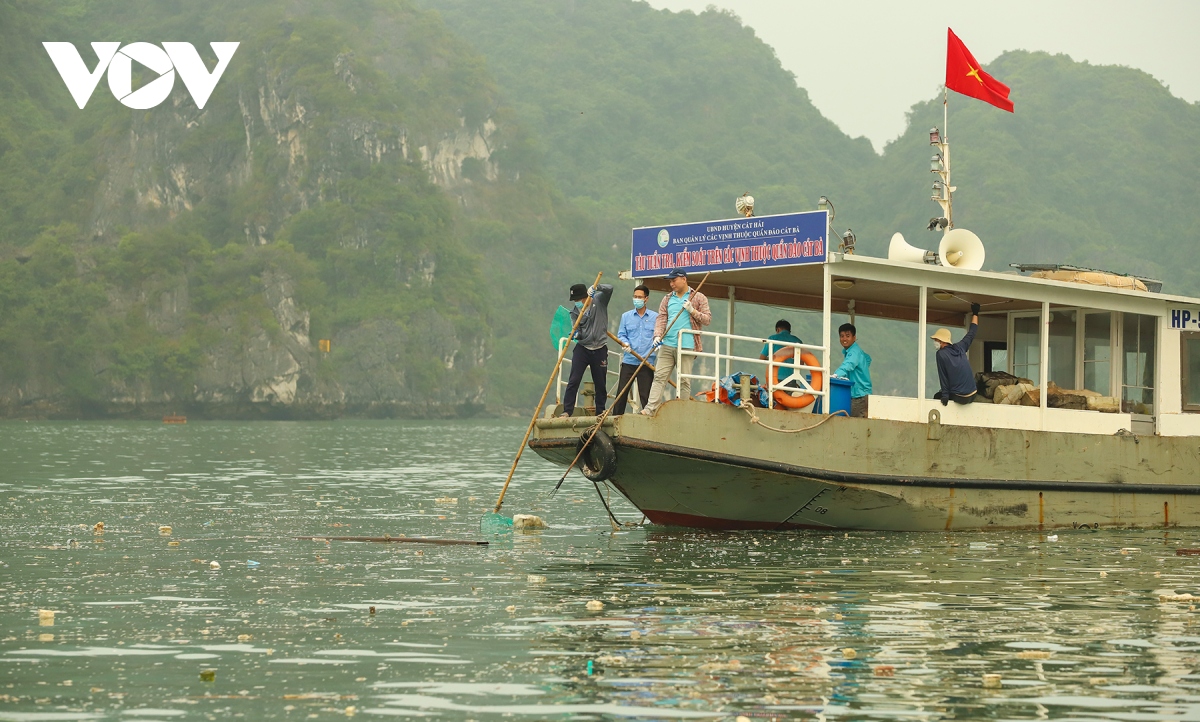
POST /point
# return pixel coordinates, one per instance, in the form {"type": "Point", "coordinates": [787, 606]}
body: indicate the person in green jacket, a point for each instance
{"type": "Point", "coordinates": [856, 368]}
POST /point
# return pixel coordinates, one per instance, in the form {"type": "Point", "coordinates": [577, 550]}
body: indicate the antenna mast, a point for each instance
{"type": "Point", "coordinates": [943, 192]}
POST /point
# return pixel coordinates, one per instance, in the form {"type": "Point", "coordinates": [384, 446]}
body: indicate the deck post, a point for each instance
{"type": "Point", "coordinates": [1044, 364]}
{"type": "Point", "coordinates": [826, 312]}
{"type": "Point", "coordinates": [729, 330]}
{"type": "Point", "coordinates": [922, 347]}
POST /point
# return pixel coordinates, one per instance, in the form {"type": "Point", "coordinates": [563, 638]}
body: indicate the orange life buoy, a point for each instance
{"type": "Point", "coordinates": [786, 399]}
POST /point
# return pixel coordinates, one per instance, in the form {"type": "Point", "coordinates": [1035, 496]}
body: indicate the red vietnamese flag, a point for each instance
{"type": "Point", "coordinates": [964, 75]}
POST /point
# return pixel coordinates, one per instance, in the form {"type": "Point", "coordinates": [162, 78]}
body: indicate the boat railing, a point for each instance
{"type": "Point", "coordinates": [564, 373]}
{"type": "Point", "coordinates": [789, 375]}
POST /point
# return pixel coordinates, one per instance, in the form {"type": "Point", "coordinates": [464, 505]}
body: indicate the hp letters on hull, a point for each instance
{"type": "Point", "coordinates": [118, 61]}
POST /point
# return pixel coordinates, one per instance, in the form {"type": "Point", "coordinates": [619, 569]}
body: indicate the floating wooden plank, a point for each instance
{"type": "Point", "coordinates": [385, 539]}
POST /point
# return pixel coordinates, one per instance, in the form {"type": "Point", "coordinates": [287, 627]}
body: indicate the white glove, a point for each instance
{"type": "Point", "coordinates": [627, 349]}
{"type": "Point", "coordinates": [687, 306]}
{"type": "Point", "coordinates": [657, 342]}
{"type": "Point", "coordinates": [591, 291]}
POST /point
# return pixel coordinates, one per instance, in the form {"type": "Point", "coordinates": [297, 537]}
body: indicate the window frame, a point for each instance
{"type": "Point", "coordinates": [1184, 336]}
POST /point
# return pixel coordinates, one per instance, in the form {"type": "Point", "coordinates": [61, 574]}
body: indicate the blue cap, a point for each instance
{"type": "Point", "coordinates": [677, 273]}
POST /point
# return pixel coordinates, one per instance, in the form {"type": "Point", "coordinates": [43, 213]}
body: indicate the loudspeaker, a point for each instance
{"type": "Point", "coordinates": [962, 249]}
{"type": "Point", "coordinates": [899, 250]}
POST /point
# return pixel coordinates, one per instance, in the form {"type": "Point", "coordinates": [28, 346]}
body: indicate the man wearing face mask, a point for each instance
{"type": "Point", "coordinates": [636, 334]}
{"type": "Point", "coordinates": [591, 344]}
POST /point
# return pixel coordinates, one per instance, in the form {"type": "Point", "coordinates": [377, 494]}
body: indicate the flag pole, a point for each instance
{"type": "Point", "coordinates": [946, 156]}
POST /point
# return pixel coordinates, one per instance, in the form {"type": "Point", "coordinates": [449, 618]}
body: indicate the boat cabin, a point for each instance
{"type": "Point", "coordinates": [1135, 352]}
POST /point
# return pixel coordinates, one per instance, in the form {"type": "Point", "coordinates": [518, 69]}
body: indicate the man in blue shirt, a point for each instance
{"type": "Point", "coordinates": [636, 334]}
{"type": "Point", "coordinates": [783, 332]}
{"type": "Point", "coordinates": [953, 367]}
{"type": "Point", "coordinates": [857, 368]}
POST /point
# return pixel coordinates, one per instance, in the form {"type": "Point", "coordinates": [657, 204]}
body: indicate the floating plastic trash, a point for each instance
{"type": "Point", "coordinates": [214, 564]}
{"type": "Point", "coordinates": [1104, 574]}
{"type": "Point", "coordinates": [1052, 537]}
{"type": "Point", "coordinates": [45, 637]}
{"type": "Point", "coordinates": [595, 605]}
{"type": "Point", "coordinates": [884, 670]}
{"type": "Point", "coordinates": [99, 528]}
{"type": "Point", "coordinates": [849, 653]}
{"type": "Point", "coordinates": [535, 579]}
{"type": "Point", "coordinates": [511, 608]}
{"type": "Point", "coordinates": [446, 500]}
{"type": "Point", "coordinates": [46, 615]}
{"type": "Point", "coordinates": [164, 530]}
{"type": "Point", "coordinates": [172, 543]}
{"type": "Point", "coordinates": [528, 521]}
{"type": "Point", "coordinates": [991, 681]}
{"type": "Point", "coordinates": [208, 675]}
{"type": "Point", "coordinates": [252, 563]}
{"type": "Point", "coordinates": [1033, 654]}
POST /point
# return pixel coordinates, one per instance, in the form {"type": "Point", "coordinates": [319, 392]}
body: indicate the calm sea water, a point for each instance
{"type": "Point", "coordinates": [796, 625]}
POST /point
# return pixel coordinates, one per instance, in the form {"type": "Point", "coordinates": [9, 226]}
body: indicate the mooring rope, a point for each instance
{"type": "Point", "coordinates": [755, 420]}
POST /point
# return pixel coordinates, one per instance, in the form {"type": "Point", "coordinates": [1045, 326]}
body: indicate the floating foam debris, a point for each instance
{"type": "Point", "coordinates": [1033, 654]}
{"type": "Point", "coordinates": [595, 605]}
{"type": "Point", "coordinates": [1177, 598]}
{"type": "Point", "coordinates": [46, 615]}
{"type": "Point", "coordinates": [214, 564]}
{"type": "Point", "coordinates": [1052, 537]}
{"type": "Point", "coordinates": [511, 608]}
{"type": "Point", "coordinates": [164, 530]}
{"type": "Point", "coordinates": [46, 637]}
{"type": "Point", "coordinates": [172, 543]}
{"type": "Point", "coordinates": [1103, 574]}
{"type": "Point", "coordinates": [991, 681]}
{"type": "Point", "coordinates": [849, 653]}
{"type": "Point", "coordinates": [99, 527]}
{"type": "Point", "coordinates": [446, 500]}
{"type": "Point", "coordinates": [535, 579]}
{"type": "Point", "coordinates": [528, 521]}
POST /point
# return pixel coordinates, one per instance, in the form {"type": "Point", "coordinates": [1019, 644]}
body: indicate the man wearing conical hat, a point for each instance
{"type": "Point", "coordinates": [953, 367]}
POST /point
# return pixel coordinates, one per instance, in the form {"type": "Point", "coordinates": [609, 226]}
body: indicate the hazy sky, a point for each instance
{"type": "Point", "coordinates": [866, 62]}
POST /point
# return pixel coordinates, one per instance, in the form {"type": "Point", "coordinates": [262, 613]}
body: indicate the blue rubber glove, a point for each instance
{"type": "Point", "coordinates": [591, 291]}
{"type": "Point", "coordinates": [656, 344]}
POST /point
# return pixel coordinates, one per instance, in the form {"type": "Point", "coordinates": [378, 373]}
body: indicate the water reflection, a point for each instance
{"type": "Point", "coordinates": [1095, 625]}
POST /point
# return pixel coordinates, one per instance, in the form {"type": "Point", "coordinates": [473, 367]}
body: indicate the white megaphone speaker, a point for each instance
{"type": "Point", "coordinates": [959, 248]}
{"type": "Point", "coordinates": [899, 250]}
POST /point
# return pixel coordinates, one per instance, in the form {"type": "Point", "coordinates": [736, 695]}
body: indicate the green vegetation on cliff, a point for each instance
{"type": "Point", "coordinates": [421, 186]}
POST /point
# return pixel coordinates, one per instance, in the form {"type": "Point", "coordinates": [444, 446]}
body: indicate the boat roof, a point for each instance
{"type": "Point", "coordinates": [889, 289]}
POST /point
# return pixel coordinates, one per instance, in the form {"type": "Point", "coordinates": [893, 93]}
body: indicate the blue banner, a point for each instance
{"type": "Point", "coordinates": [738, 243]}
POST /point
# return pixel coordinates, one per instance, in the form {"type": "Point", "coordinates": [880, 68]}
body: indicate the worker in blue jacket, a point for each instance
{"type": "Point", "coordinates": [953, 367]}
{"type": "Point", "coordinates": [856, 368]}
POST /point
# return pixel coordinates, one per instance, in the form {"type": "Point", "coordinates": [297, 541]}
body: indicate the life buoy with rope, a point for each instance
{"type": "Point", "coordinates": [791, 400]}
{"type": "Point", "coordinates": [599, 460]}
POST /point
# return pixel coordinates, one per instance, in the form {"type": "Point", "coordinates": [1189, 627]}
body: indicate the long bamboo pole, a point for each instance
{"type": "Point", "coordinates": [537, 411]}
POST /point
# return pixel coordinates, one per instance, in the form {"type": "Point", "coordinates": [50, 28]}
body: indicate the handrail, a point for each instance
{"type": "Point", "coordinates": [793, 381]}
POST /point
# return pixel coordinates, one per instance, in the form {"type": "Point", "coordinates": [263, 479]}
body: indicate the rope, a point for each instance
{"type": "Point", "coordinates": [755, 420]}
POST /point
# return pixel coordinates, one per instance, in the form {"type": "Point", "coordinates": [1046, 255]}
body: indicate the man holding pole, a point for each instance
{"type": "Point", "coordinates": [591, 344]}
{"type": "Point", "coordinates": [636, 336]}
{"type": "Point", "coordinates": [686, 309]}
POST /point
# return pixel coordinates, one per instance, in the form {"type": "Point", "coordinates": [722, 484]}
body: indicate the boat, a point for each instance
{"type": "Point", "coordinates": [1132, 460]}
{"type": "Point", "coordinates": [174, 419]}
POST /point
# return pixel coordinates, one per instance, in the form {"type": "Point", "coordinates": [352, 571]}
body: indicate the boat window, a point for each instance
{"type": "Point", "coordinates": [1026, 348]}
{"type": "Point", "coordinates": [1097, 352]}
{"type": "Point", "coordinates": [995, 356]}
{"type": "Point", "coordinates": [1137, 363]}
{"type": "Point", "coordinates": [1190, 343]}
{"type": "Point", "coordinates": [1062, 348]}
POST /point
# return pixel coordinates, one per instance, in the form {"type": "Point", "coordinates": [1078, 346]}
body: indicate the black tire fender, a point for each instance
{"type": "Point", "coordinates": [598, 461]}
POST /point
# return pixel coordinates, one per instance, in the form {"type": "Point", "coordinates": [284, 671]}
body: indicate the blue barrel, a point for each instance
{"type": "Point", "coordinates": [839, 395]}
